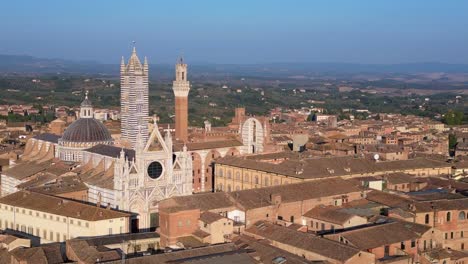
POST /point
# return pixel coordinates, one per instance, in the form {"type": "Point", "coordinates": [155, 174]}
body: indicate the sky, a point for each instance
{"type": "Point", "coordinates": [238, 31]}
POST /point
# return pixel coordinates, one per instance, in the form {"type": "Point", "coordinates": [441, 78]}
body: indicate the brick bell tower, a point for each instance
{"type": "Point", "coordinates": [181, 88]}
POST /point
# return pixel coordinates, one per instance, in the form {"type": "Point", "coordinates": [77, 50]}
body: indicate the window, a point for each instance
{"type": "Point", "coordinates": [461, 216]}
{"type": "Point", "coordinates": [110, 231]}
{"type": "Point", "coordinates": [451, 235]}
{"type": "Point", "coordinates": [155, 170]}
{"type": "Point", "coordinates": [413, 243]}
{"type": "Point", "coordinates": [402, 245]}
{"type": "Point", "coordinates": [426, 219]}
{"type": "Point", "coordinates": [446, 235]}
{"type": "Point", "coordinates": [229, 174]}
{"type": "Point", "coordinates": [179, 223]}
{"type": "Point", "coordinates": [323, 226]}
{"type": "Point", "coordinates": [449, 216]}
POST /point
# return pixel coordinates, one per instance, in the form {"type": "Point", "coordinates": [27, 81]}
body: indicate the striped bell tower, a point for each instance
{"type": "Point", "coordinates": [134, 99]}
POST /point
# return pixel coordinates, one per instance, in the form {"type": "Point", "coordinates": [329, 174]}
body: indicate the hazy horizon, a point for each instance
{"type": "Point", "coordinates": [239, 32]}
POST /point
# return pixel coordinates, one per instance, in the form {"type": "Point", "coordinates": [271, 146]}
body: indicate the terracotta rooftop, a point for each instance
{"type": "Point", "coordinates": [209, 145]}
{"type": "Point", "coordinates": [329, 214]}
{"type": "Point", "coordinates": [45, 254]}
{"type": "Point", "coordinates": [329, 167]}
{"type": "Point", "coordinates": [209, 217]}
{"type": "Point", "coordinates": [58, 206]}
{"type": "Point", "coordinates": [218, 254]}
{"type": "Point", "coordinates": [27, 169]}
{"type": "Point", "coordinates": [48, 137]}
{"type": "Point", "coordinates": [318, 245]}
{"type": "Point", "coordinates": [261, 197]}
{"type": "Point", "coordinates": [383, 234]}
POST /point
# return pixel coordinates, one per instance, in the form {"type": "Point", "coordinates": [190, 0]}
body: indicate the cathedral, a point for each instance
{"type": "Point", "coordinates": [138, 168]}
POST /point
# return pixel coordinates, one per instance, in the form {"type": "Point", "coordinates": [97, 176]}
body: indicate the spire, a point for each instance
{"type": "Point", "coordinates": [145, 65]}
{"type": "Point", "coordinates": [122, 154]}
{"type": "Point", "coordinates": [86, 109]}
{"type": "Point", "coordinates": [134, 64]}
{"type": "Point", "coordinates": [134, 48]}
{"type": "Point", "coordinates": [139, 147]}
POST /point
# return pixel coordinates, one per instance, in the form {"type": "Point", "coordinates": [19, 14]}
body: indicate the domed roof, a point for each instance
{"type": "Point", "coordinates": [86, 130]}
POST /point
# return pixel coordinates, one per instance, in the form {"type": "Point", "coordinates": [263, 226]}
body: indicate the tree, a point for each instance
{"type": "Point", "coordinates": [452, 141]}
{"type": "Point", "coordinates": [452, 118]}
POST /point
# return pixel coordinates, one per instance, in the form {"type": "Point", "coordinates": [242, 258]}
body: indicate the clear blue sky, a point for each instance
{"type": "Point", "coordinates": [238, 31]}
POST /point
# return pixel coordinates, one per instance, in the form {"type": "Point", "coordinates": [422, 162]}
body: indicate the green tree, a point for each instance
{"type": "Point", "coordinates": [452, 118]}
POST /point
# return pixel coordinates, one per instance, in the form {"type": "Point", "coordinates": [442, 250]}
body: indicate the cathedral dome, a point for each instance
{"type": "Point", "coordinates": [86, 130]}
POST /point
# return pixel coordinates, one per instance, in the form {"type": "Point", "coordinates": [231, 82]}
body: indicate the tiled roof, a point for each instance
{"type": "Point", "coordinates": [58, 206]}
{"type": "Point", "coordinates": [111, 151]}
{"type": "Point", "coordinates": [209, 217]}
{"type": "Point", "coordinates": [327, 214]}
{"type": "Point", "coordinates": [383, 234]}
{"type": "Point", "coordinates": [48, 137]}
{"type": "Point", "coordinates": [320, 246]}
{"type": "Point", "coordinates": [209, 145]}
{"type": "Point", "coordinates": [261, 197]}
{"type": "Point", "coordinates": [329, 167]}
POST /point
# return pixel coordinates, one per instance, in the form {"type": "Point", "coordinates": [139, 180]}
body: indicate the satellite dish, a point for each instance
{"type": "Point", "coordinates": [376, 157]}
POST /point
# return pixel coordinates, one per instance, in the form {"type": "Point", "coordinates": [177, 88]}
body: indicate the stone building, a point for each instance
{"type": "Point", "coordinates": [55, 219]}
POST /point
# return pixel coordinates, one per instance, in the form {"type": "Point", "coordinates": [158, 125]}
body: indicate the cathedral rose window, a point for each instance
{"type": "Point", "coordinates": [155, 170]}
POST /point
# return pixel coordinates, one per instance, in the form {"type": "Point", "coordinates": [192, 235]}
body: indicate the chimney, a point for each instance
{"type": "Point", "coordinates": [275, 198]}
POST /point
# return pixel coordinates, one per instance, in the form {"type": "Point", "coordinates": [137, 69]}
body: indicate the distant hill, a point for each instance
{"type": "Point", "coordinates": [32, 65]}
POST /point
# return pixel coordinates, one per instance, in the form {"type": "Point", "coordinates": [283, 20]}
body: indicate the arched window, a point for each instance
{"type": "Point", "coordinates": [256, 179]}
{"type": "Point", "coordinates": [229, 174]}
{"type": "Point", "coordinates": [267, 182]}
{"type": "Point", "coordinates": [246, 177]}
{"type": "Point", "coordinates": [229, 187]}
{"type": "Point", "coordinates": [449, 216]}
{"type": "Point", "coordinates": [461, 216]}
{"type": "Point", "coordinates": [220, 173]}
{"type": "Point", "coordinates": [238, 176]}
{"type": "Point", "coordinates": [276, 182]}
{"type": "Point", "coordinates": [426, 220]}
